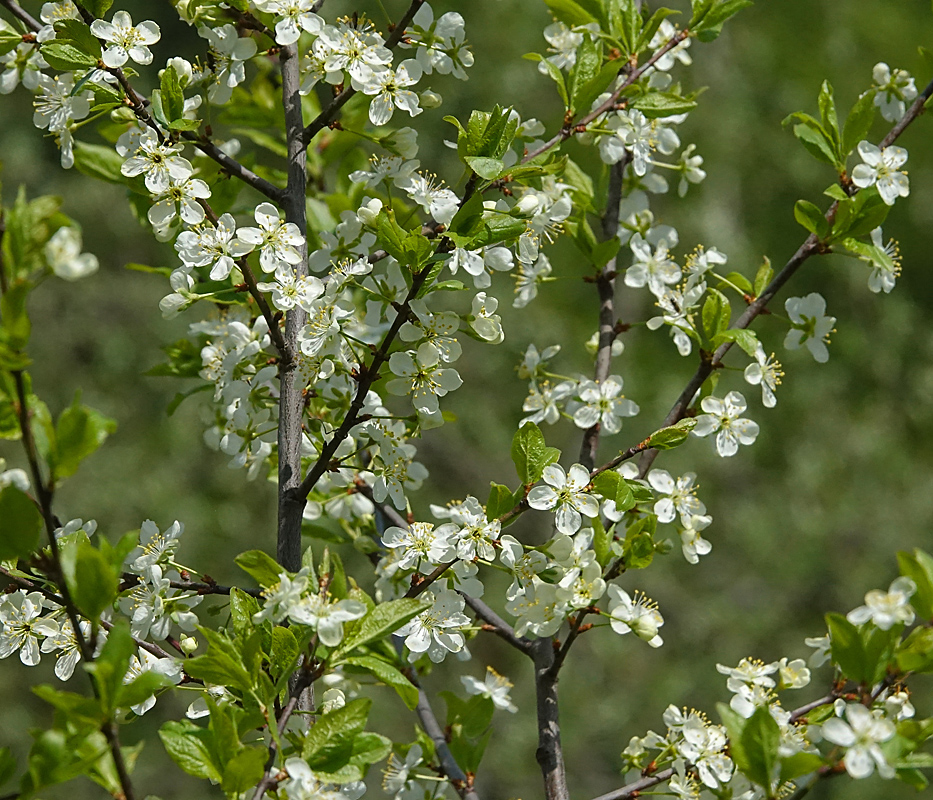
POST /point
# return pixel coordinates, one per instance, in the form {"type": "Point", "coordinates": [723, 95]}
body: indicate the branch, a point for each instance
{"type": "Point", "coordinates": [549, 754]}
{"type": "Point", "coordinates": [496, 624]}
{"type": "Point", "coordinates": [291, 401]}
{"type": "Point", "coordinates": [571, 127]}
{"type": "Point", "coordinates": [21, 14]}
{"type": "Point", "coordinates": [810, 246]}
{"type": "Point", "coordinates": [329, 114]}
{"type": "Point", "coordinates": [635, 788]}
{"type": "Point", "coordinates": [233, 167]}
{"type": "Point", "coordinates": [605, 285]}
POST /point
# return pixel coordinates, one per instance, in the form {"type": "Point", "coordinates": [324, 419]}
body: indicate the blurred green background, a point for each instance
{"type": "Point", "coordinates": [806, 521]}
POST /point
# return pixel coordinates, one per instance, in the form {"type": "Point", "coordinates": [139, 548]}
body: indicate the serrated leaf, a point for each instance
{"type": "Point", "coordinates": [859, 122]}
{"type": "Point", "coordinates": [810, 216]}
{"type": "Point", "coordinates": [760, 739]}
{"type": "Point", "coordinates": [189, 746]}
{"type": "Point", "coordinates": [382, 620]}
{"type": "Point", "coordinates": [585, 69]}
{"type": "Point", "coordinates": [67, 57]}
{"type": "Point", "coordinates": [264, 569]}
{"type": "Point", "coordinates": [530, 453]}
{"type": "Point", "coordinates": [656, 105]}
{"type": "Point", "coordinates": [328, 746]}
{"type": "Point", "coordinates": [389, 675]}
{"type": "Point", "coordinates": [673, 436]}
{"type": "Point", "coordinates": [716, 313]}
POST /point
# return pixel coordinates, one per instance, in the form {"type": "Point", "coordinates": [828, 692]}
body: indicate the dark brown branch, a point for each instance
{"type": "Point", "coordinates": [233, 167]}
{"type": "Point", "coordinates": [21, 14]}
{"type": "Point", "coordinates": [549, 753]}
{"type": "Point", "coordinates": [291, 402]}
{"type": "Point", "coordinates": [330, 113]}
{"type": "Point", "coordinates": [635, 788]}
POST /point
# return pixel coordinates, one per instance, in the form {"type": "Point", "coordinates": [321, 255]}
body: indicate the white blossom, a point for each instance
{"type": "Point", "coordinates": [723, 418]}
{"type": "Point", "coordinates": [861, 733]}
{"type": "Point", "coordinates": [886, 609]}
{"type": "Point", "coordinates": [567, 492]}
{"type": "Point", "coordinates": [810, 325]}
{"type": "Point", "coordinates": [495, 687]}
{"type": "Point", "coordinates": [124, 40]}
{"type": "Point", "coordinates": [880, 168]}
{"type": "Point", "coordinates": [637, 614]}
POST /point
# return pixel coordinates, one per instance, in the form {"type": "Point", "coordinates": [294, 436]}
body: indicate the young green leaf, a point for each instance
{"type": "Point", "coordinates": [530, 454]}
{"type": "Point", "coordinates": [20, 524]}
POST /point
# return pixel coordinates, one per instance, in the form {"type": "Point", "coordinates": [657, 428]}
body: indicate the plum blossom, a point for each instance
{"type": "Point", "coordinates": [281, 596]}
{"type": "Point", "coordinates": [297, 16]}
{"type": "Point", "coordinates": [436, 631]}
{"type": "Point", "coordinates": [637, 614]}
{"type": "Point", "coordinates": [326, 617]}
{"type": "Point", "coordinates": [124, 40]}
{"type": "Point", "coordinates": [63, 253]}
{"type": "Point", "coordinates": [603, 404]}
{"type": "Point", "coordinates": [567, 492]}
{"type": "Point", "coordinates": [420, 377]}
{"type": "Point", "coordinates": [21, 626]}
{"type": "Point", "coordinates": [229, 51]}
{"type": "Point", "coordinates": [810, 325]}
{"type": "Point", "coordinates": [679, 497]}
{"type": "Point", "coordinates": [880, 168]}
{"type": "Point", "coordinates": [158, 162]}
{"type": "Point", "coordinates": [389, 90]}
{"type": "Point", "coordinates": [765, 371]}
{"type": "Point", "coordinates": [495, 687]}
{"type": "Point", "coordinates": [278, 241]}
{"type": "Point", "coordinates": [691, 542]}
{"type": "Point", "coordinates": [861, 733]}
{"type": "Point", "coordinates": [886, 609]}
{"type": "Point", "coordinates": [895, 88]}
{"type": "Point", "coordinates": [722, 417]}
{"type": "Point", "coordinates": [421, 543]}
{"type": "Point", "coordinates": [656, 269]}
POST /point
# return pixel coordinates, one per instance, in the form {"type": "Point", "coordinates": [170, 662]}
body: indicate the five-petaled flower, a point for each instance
{"type": "Point", "coordinates": [881, 169]}
{"type": "Point", "coordinates": [125, 40]}
{"type": "Point", "coordinates": [566, 491]}
{"type": "Point", "coordinates": [723, 418]}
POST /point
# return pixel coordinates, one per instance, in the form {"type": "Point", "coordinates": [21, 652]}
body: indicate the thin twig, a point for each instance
{"type": "Point", "coordinates": [21, 14]}
{"type": "Point", "coordinates": [634, 788]}
{"type": "Point", "coordinates": [571, 127]}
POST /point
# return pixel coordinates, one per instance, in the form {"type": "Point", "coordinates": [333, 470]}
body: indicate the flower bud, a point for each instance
{"type": "Point", "coordinates": [188, 644]}
{"type": "Point", "coordinates": [430, 99]}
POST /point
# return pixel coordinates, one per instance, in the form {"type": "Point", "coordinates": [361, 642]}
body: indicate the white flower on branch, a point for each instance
{"type": "Point", "coordinates": [228, 52]}
{"type": "Point", "coordinates": [885, 261]}
{"type": "Point", "coordinates": [325, 617]}
{"type": "Point", "coordinates": [895, 89]}
{"type": "Point", "coordinates": [483, 319]}
{"type": "Point", "coordinates": [55, 12]}
{"type": "Point", "coordinates": [637, 614]}
{"type": "Point", "coordinates": [179, 199]}
{"type": "Point", "coordinates": [861, 733]}
{"type": "Point", "coordinates": [21, 626]}
{"type": "Point", "coordinates": [723, 418]}
{"type": "Point", "coordinates": [24, 63]}
{"type": "Point", "coordinates": [282, 596]}
{"type": "Point", "coordinates": [678, 497]}
{"type": "Point", "coordinates": [656, 269]}
{"type": "Point", "coordinates": [677, 309]}
{"type": "Point", "coordinates": [441, 43]}
{"type": "Point", "coordinates": [277, 241]}
{"type": "Point", "coordinates": [540, 610]}
{"type": "Point", "coordinates": [156, 161]}
{"type": "Point", "coordinates": [602, 404]}
{"type": "Point", "coordinates": [691, 542]}
{"type": "Point", "coordinates": [63, 253]}
{"type": "Point", "coordinates": [810, 325]}
{"type": "Point", "coordinates": [565, 491]}
{"type": "Point", "coordinates": [155, 547]}
{"type": "Point", "coordinates": [527, 279]}
{"type": "Point", "coordinates": [563, 44]}
{"type": "Point", "coordinates": [886, 609]}
{"type": "Point", "coordinates": [357, 50]}
{"type": "Point", "coordinates": [389, 90]}
{"type": "Point", "coordinates": [544, 401]}
{"type": "Point", "coordinates": [421, 378]}
{"type": "Point", "coordinates": [523, 565]}
{"type": "Point", "coordinates": [474, 536]}
{"type": "Point", "coordinates": [766, 371]}
{"type": "Point", "coordinates": [303, 785]}
{"type": "Point", "coordinates": [296, 16]}
{"type": "Point", "coordinates": [436, 631]}
{"type": "Point", "coordinates": [495, 687]}
{"type": "Point", "coordinates": [124, 40]}
{"type": "Point", "coordinates": [880, 168]}
{"type": "Point", "coordinates": [214, 245]}
{"type": "Point", "coordinates": [436, 329]}
{"type": "Point", "coordinates": [65, 644]}
{"type": "Point", "coordinates": [421, 544]}
{"type": "Point", "coordinates": [143, 662]}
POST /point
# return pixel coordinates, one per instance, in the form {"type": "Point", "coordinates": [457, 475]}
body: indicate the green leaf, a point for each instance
{"type": "Point", "coordinates": [77, 32]}
{"type": "Point", "coordinates": [329, 744]}
{"type": "Point", "coordinates": [20, 524]}
{"type": "Point", "coordinates": [915, 653]}
{"type": "Point", "coordinates": [651, 27]}
{"type": "Point", "coordinates": [369, 748]}
{"type": "Point", "coordinates": [10, 38]}
{"type": "Point", "coordinates": [570, 12]}
{"type": "Point", "coordinates": [222, 664]}
{"type": "Point", "coordinates": [847, 650]}
{"type": "Point", "coordinates": [264, 569]}
{"type": "Point", "coordinates": [555, 75]}
{"type": "Point", "coordinates": [585, 69]}
{"type": "Point", "coordinates": [284, 655]}
{"type": "Point", "coordinates": [712, 20]}
{"type": "Point", "coordinates": [799, 764]}
{"type": "Point", "coordinates": [96, 583]}
{"type": "Point", "coordinates": [141, 688]}
{"type": "Point", "coordinates": [602, 542]}
{"type": "Point", "coordinates": [244, 770]}
{"type": "Point", "coordinates": [612, 486]}
{"type": "Point", "coordinates": [763, 276]}
{"type": "Point", "coordinates": [109, 668]}
{"type": "Point", "coordinates": [80, 430]}
{"type": "Point", "coordinates": [242, 608]}
{"type": "Point", "coordinates": [488, 168]}
{"type": "Point", "coordinates": [97, 161]}
{"type": "Point", "coordinates": [173, 99]}
{"type": "Point", "coordinates": [389, 675]}
{"type": "Point", "coordinates": [97, 7]}
{"type": "Point", "coordinates": [13, 315]}
{"type": "Point", "coordinates": [530, 454]}
{"type": "Point", "coordinates": [501, 500]}
{"type": "Point", "coordinates": [655, 105]}
{"type": "Point", "coordinates": [760, 739]}
{"type": "Point", "coordinates": [743, 337]}
{"type": "Point", "coordinates": [382, 620]}
{"type": "Point", "coordinates": [829, 119]}
{"type": "Point", "coordinates": [817, 142]}
{"type": "Point", "coordinates": [918, 566]}
{"type": "Point", "coordinates": [735, 727]}
{"type": "Point", "coordinates": [859, 122]}
{"type": "Point", "coordinates": [810, 216]}
{"type": "Point", "coordinates": [739, 281]}
{"type": "Point", "coordinates": [67, 57]}
{"type": "Point", "coordinates": [673, 436]}
{"type": "Point", "coordinates": [189, 745]}
{"type": "Point", "coordinates": [716, 313]}
{"type": "Point", "coordinates": [836, 192]}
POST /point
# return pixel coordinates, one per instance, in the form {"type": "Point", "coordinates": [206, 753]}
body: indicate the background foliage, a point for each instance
{"type": "Point", "coordinates": [805, 522]}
